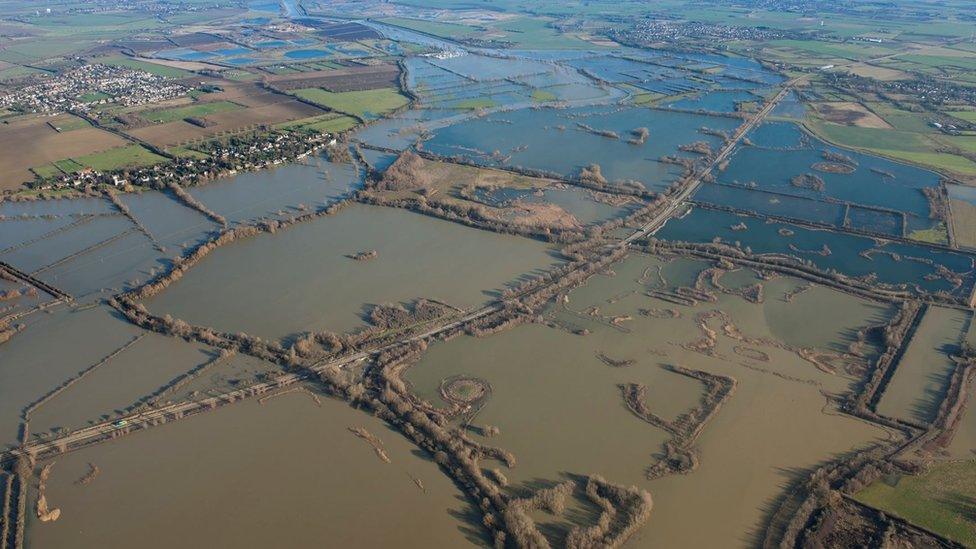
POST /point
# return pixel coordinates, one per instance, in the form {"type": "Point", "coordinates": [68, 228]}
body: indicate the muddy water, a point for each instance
{"type": "Point", "coordinates": [254, 476]}
{"type": "Point", "coordinates": [255, 195]}
{"type": "Point", "coordinates": [559, 411]}
{"type": "Point", "coordinates": [301, 278]}
{"type": "Point", "coordinates": [922, 376]}
{"type": "Point", "coordinates": [106, 392]}
{"type": "Point", "coordinates": [54, 347]}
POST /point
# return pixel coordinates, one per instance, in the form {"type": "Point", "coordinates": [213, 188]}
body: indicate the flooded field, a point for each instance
{"type": "Point", "coordinates": [564, 141]}
{"type": "Point", "coordinates": [805, 179]}
{"type": "Point", "coordinates": [480, 253]}
{"type": "Point", "coordinates": [33, 366]}
{"type": "Point", "coordinates": [149, 482]}
{"type": "Point", "coordinates": [893, 263]}
{"type": "Point", "coordinates": [776, 422]}
{"type": "Point", "coordinates": [417, 257]}
{"type": "Point", "coordinates": [920, 382]}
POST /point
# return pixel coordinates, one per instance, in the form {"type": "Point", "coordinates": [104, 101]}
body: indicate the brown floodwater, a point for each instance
{"type": "Point", "coordinates": [54, 347]}
{"type": "Point", "coordinates": [302, 279]}
{"type": "Point", "coordinates": [286, 473]}
{"type": "Point", "coordinates": [559, 409]}
{"type": "Point", "coordinates": [922, 375]}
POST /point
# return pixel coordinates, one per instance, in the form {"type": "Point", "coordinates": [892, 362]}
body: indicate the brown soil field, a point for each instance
{"type": "Point", "coordinates": [879, 73]}
{"type": "Point", "coordinates": [964, 222]}
{"type": "Point", "coordinates": [350, 79]}
{"type": "Point", "coordinates": [850, 114]}
{"type": "Point", "coordinates": [247, 94]}
{"type": "Point", "coordinates": [30, 142]}
{"type": "Point", "coordinates": [173, 133]}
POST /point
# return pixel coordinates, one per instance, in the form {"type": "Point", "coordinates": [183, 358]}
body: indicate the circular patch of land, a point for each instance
{"type": "Point", "coordinates": [464, 390]}
{"type": "Point", "coordinates": [832, 167]}
{"type": "Point", "coordinates": [751, 354]}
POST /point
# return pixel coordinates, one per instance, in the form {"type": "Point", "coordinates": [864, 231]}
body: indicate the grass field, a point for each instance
{"type": "Point", "coordinates": [364, 104]}
{"type": "Point", "coordinates": [910, 147]}
{"type": "Point", "coordinates": [130, 156]}
{"type": "Point", "coordinates": [942, 500]}
{"type": "Point", "coordinates": [830, 50]}
{"type": "Point", "coordinates": [968, 116]}
{"type": "Point", "coordinates": [195, 110]}
{"type": "Point", "coordinates": [447, 30]}
{"type": "Point", "coordinates": [543, 96]}
{"type": "Point", "coordinates": [329, 123]}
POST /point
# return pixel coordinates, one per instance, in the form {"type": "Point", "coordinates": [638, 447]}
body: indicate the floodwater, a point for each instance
{"type": "Point", "coordinates": [54, 348]}
{"type": "Point", "coordinates": [301, 279]}
{"type": "Point", "coordinates": [555, 141]}
{"type": "Point", "coordinates": [560, 412]}
{"type": "Point", "coordinates": [894, 263]}
{"type": "Point", "coordinates": [253, 475]}
{"type": "Point", "coordinates": [278, 191]}
{"type": "Point", "coordinates": [782, 151]}
{"type": "Point", "coordinates": [922, 376]}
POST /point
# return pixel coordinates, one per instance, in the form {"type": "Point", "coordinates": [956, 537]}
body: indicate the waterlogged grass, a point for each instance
{"type": "Point", "coordinates": [542, 96]}
{"type": "Point", "coordinates": [942, 500]}
{"type": "Point", "coordinates": [190, 111]}
{"type": "Point", "coordinates": [364, 104]}
{"type": "Point", "coordinates": [936, 235]}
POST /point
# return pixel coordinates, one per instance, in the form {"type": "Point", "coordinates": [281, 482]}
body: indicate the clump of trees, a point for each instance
{"type": "Point", "coordinates": [623, 511]}
{"type": "Point", "coordinates": [697, 147]}
{"type": "Point", "coordinates": [365, 256]}
{"type": "Point", "coordinates": [680, 455]}
{"type": "Point", "coordinates": [596, 131]}
{"type": "Point", "coordinates": [809, 181]}
{"type": "Point", "coordinates": [639, 136]}
{"type": "Point", "coordinates": [593, 174]}
{"type": "Point", "coordinates": [407, 173]}
{"type": "Point", "coordinates": [191, 202]}
{"type": "Point", "coordinates": [519, 523]}
{"type": "Point", "coordinates": [337, 152]}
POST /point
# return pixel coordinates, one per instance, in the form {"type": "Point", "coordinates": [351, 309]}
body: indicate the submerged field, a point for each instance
{"type": "Point", "coordinates": [417, 257]}
{"type": "Point", "coordinates": [778, 398]}
{"type": "Point", "coordinates": [442, 267]}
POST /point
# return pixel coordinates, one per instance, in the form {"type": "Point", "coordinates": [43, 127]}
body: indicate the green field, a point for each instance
{"type": "Point", "coordinates": [363, 104]}
{"type": "Point", "coordinates": [329, 123]}
{"type": "Point", "coordinates": [93, 96]}
{"type": "Point", "coordinates": [968, 116]}
{"type": "Point", "coordinates": [129, 156]}
{"type": "Point", "coordinates": [190, 111]}
{"type": "Point", "coordinates": [942, 500]}
{"type": "Point", "coordinates": [910, 147]}
{"type": "Point", "coordinates": [941, 62]}
{"type": "Point", "coordinates": [447, 30]}
{"type": "Point", "coordinates": [543, 96]}
{"type": "Point", "coordinates": [903, 120]}
{"type": "Point", "coordinates": [67, 123]}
